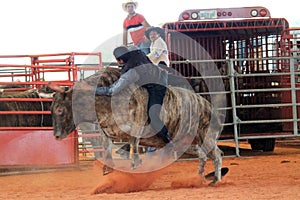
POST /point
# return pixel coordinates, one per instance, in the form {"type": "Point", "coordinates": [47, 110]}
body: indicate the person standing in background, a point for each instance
{"type": "Point", "coordinates": [134, 27]}
{"type": "Point", "coordinates": [158, 48]}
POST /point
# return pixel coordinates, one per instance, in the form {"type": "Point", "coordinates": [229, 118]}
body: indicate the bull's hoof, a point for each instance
{"type": "Point", "coordinates": [214, 178]}
{"type": "Point", "coordinates": [125, 154]}
{"type": "Point", "coordinates": [213, 183]}
{"type": "Point", "coordinates": [107, 170]}
{"type": "Point", "coordinates": [136, 163]}
{"type": "Point", "coordinates": [211, 175]}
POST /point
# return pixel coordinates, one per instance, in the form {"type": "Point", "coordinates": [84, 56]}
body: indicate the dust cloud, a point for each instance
{"type": "Point", "coordinates": [123, 182]}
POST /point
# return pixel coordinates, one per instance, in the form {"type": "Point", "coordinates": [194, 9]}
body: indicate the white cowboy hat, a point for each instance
{"type": "Point", "coordinates": [129, 1]}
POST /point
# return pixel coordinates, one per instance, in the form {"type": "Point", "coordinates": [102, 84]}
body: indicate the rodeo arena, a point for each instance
{"type": "Point", "coordinates": [59, 143]}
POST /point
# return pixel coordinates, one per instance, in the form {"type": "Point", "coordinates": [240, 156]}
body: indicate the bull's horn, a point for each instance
{"type": "Point", "coordinates": [46, 95]}
{"type": "Point", "coordinates": [55, 87]}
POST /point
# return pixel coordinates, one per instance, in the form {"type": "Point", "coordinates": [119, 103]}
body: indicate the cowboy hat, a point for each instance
{"type": "Point", "coordinates": [127, 2]}
{"type": "Point", "coordinates": [120, 51]}
{"type": "Point", "coordinates": [159, 30]}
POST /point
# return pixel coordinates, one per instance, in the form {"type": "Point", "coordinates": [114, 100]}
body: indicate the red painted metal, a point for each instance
{"type": "Point", "coordinates": [36, 146]}
{"type": "Point", "coordinates": [20, 128]}
{"type": "Point", "coordinates": [224, 13]}
{"type": "Point", "coordinates": [236, 36]}
{"type": "Point", "coordinates": [290, 46]}
{"type": "Point", "coordinates": [24, 99]}
{"type": "Point", "coordinates": [24, 112]}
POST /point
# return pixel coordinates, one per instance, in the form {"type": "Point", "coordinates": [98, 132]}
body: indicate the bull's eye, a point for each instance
{"type": "Point", "coordinates": [58, 111]}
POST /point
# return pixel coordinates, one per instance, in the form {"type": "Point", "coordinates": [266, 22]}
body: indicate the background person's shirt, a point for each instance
{"type": "Point", "coordinates": [159, 52]}
{"type": "Point", "coordinates": [135, 29]}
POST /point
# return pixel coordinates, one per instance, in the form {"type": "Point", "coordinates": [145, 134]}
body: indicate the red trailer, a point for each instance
{"type": "Point", "coordinates": [33, 146]}
{"type": "Point", "coordinates": [256, 58]}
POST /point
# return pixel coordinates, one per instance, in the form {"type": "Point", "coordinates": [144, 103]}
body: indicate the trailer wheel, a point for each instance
{"type": "Point", "coordinates": [255, 144]}
{"type": "Point", "coordinates": [269, 145]}
{"type": "Point", "coordinates": [265, 145]}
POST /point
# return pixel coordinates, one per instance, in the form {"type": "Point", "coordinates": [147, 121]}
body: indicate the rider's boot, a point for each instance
{"type": "Point", "coordinates": [165, 136]}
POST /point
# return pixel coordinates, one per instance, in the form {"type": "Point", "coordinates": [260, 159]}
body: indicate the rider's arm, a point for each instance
{"type": "Point", "coordinates": [124, 81]}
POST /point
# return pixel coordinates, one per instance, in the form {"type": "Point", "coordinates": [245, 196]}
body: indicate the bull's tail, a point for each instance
{"type": "Point", "coordinates": [218, 115]}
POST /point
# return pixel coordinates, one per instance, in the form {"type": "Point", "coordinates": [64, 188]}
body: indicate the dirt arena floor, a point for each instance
{"type": "Point", "coordinates": [254, 175]}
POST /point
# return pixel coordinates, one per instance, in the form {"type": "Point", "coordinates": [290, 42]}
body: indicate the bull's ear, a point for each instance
{"type": "Point", "coordinates": [55, 87]}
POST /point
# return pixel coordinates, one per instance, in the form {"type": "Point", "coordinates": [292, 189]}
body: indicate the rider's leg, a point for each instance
{"type": "Point", "coordinates": [155, 101]}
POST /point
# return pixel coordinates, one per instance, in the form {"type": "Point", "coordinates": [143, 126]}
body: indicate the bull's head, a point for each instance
{"type": "Point", "coordinates": [61, 110]}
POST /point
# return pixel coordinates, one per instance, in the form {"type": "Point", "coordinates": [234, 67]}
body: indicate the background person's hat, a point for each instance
{"type": "Point", "coordinates": [129, 1]}
{"type": "Point", "coordinates": [159, 30]}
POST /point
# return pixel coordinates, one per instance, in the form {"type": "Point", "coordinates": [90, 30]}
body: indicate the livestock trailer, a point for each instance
{"type": "Point", "coordinates": [256, 58]}
{"type": "Point", "coordinates": [26, 133]}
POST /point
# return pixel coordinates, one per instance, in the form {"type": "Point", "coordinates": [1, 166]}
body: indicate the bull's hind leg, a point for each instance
{"type": "Point", "coordinates": [136, 160]}
{"type": "Point", "coordinates": [216, 156]}
{"type": "Point", "coordinates": [202, 160]}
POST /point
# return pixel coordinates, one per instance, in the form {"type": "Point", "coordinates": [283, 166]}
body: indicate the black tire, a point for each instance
{"type": "Point", "coordinates": [269, 145]}
{"type": "Point", "coordinates": [265, 145]}
{"type": "Point", "coordinates": [255, 144]}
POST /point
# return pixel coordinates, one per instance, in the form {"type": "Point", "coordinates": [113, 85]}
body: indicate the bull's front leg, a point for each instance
{"type": "Point", "coordinates": [135, 160]}
{"type": "Point", "coordinates": [109, 164]}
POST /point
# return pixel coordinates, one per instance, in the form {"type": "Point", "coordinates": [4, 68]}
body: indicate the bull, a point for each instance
{"type": "Point", "coordinates": [188, 117]}
{"type": "Point", "coordinates": [28, 120]}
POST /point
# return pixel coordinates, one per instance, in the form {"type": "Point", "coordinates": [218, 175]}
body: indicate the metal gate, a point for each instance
{"type": "Point", "coordinates": [257, 60]}
{"type": "Point", "coordinates": [33, 145]}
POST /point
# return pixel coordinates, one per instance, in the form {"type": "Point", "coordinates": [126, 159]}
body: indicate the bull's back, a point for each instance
{"type": "Point", "coordinates": [28, 120]}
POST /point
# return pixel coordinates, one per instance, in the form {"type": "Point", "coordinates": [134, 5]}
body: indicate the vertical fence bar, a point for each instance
{"type": "Point", "coordinates": [233, 102]}
{"type": "Point", "coordinates": [294, 96]}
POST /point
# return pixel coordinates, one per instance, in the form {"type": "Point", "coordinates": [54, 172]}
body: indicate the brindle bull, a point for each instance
{"type": "Point", "coordinates": [186, 114]}
{"type": "Point", "coordinates": [19, 120]}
